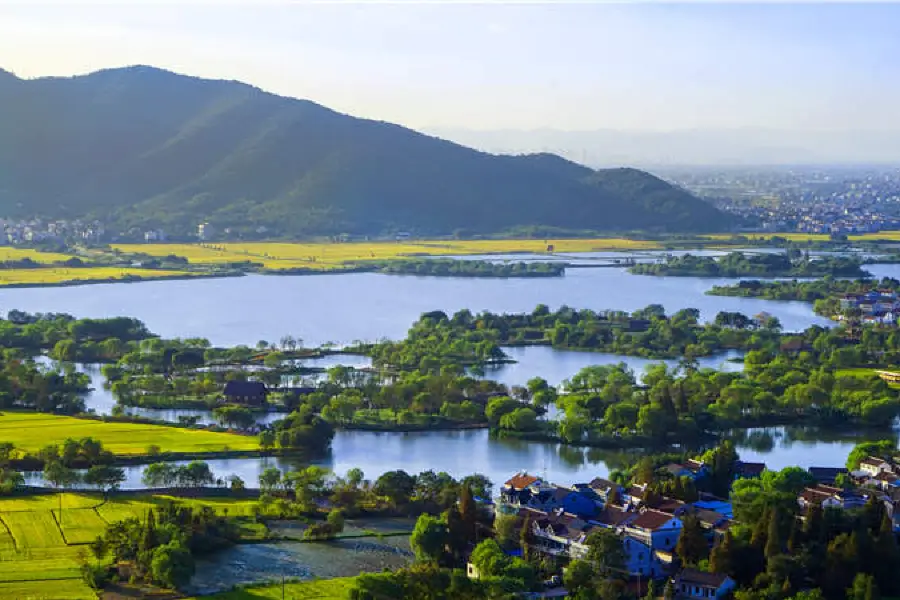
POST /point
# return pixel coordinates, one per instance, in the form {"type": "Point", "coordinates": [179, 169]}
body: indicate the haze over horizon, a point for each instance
{"type": "Point", "coordinates": [603, 84]}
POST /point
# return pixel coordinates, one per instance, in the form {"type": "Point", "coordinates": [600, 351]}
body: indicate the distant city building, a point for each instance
{"type": "Point", "coordinates": [205, 231]}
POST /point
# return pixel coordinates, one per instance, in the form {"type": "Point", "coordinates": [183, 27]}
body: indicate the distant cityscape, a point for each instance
{"type": "Point", "coordinates": [802, 199]}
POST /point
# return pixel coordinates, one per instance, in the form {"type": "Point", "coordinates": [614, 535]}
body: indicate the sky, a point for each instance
{"type": "Point", "coordinates": [496, 65]}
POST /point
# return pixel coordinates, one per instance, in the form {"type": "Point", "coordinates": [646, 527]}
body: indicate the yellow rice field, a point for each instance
{"type": "Point", "coordinates": [58, 275]}
{"type": "Point", "coordinates": [11, 253]}
{"type": "Point", "coordinates": [32, 431]}
{"type": "Point", "coordinates": [325, 256]}
{"type": "Point", "coordinates": [42, 549]}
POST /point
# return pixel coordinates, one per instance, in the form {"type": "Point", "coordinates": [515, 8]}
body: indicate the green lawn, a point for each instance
{"type": "Point", "coordinates": [32, 431]}
{"type": "Point", "coordinates": [319, 589]}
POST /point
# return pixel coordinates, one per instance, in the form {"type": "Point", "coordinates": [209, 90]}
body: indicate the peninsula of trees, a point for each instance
{"type": "Point", "coordinates": [738, 264]}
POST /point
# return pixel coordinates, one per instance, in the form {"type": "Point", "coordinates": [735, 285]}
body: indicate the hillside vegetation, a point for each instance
{"type": "Point", "coordinates": [144, 147]}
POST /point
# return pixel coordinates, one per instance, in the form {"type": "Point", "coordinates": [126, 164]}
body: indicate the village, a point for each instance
{"type": "Point", "coordinates": [650, 526]}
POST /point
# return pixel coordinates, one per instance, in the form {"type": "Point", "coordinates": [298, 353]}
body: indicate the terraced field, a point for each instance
{"type": "Point", "coordinates": [37, 561]}
{"type": "Point", "coordinates": [32, 431]}
{"type": "Point", "coordinates": [328, 256]}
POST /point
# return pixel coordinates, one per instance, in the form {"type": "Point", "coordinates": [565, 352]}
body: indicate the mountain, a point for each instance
{"type": "Point", "coordinates": [144, 147]}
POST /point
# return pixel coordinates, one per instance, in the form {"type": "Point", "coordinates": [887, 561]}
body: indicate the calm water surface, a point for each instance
{"type": "Point", "coordinates": [370, 306]}
{"type": "Point", "coordinates": [461, 453]}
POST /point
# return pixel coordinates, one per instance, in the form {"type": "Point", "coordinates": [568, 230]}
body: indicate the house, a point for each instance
{"type": "Point", "coordinates": [872, 466]}
{"type": "Point", "coordinates": [829, 497]}
{"type": "Point", "coordinates": [561, 534]}
{"type": "Point", "coordinates": [634, 495]}
{"type": "Point", "coordinates": [252, 393]}
{"type": "Point", "coordinates": [641, 560]}
{"type": "Point", "coordinates": [885, 481]}
{"type": "Point", "coordinates": [576, 501]}
{"type": "Point", "coordinates": [673, 507]}
{"type": "Point", "coordinates": [604, 488]}
{"type": "Point", "coordinates": [826, 474]}
{"type": "Point", "coordinates": [522, 480]}
{"type": "Point", "coordinates": [655, 528]}
{"type": "Point", "coordinates": [614, 517]}
{"type": "Point", "coordinates": [691, 583]}
{"type": "Point", "coordinates": [748, 470]}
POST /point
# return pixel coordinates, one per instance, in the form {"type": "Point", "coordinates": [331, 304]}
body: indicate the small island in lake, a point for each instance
{"type": "Point", "coordinates": [738, 264]}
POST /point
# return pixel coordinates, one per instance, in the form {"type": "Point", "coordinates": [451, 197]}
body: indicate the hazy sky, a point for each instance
{"type": "Point", "coordinates": [499, 65]}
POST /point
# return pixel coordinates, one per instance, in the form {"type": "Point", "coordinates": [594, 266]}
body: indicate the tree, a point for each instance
{"type": "Point", "coordinates": [429, 539]}
{"type": "Point", "coordinates": [468, 513]}
{"type": "Point", "coordinates": [692, 546]}
{"type": "Point", "coordinates": [269, 479]}
{"type": "Point", "coordinates": [489, 558]}
{"type": "Point", "coordinates": [60, 476]}
{"type": "Point", "coordinates": [105, 477]}
{"type": "Point", "coordinates": [721, 559]}
{"type": "Point", "coordinates": [526, 538]}
{"type": "Point", "coordinates": [172, 565]}
{"type": "Point", "coordinates": [397, 486]}
{"type": "Point", "coordinates": [864, 588]}
{"type": "Point", "coordinates": [579, 578]}
{"type": "Point", "coordinates": [335, 520]}
{"type": "Point", "coordinates": [606, 551]}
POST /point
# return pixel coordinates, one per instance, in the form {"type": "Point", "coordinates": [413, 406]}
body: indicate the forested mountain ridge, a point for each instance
{"type": "Point", "coordinates": [144, 147]}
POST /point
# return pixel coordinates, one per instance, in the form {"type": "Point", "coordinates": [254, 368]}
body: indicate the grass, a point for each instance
{"type": "Point", "coordinates": [32, 431]}
{"type": "Point", "coordinates": [59, 275]}
{"type": "Point", "coordinates": [317, 589]}
{"type": "Point", "coordinates": [80, 525]}
{"type": "Point", "coordinates": [70, 589]}
{"type": "Point", "coordinates": [37, 529]}
{"type": "Point", "coordinates": [36, 561]}
{"type": "Point", "coordinates": [329, 256]}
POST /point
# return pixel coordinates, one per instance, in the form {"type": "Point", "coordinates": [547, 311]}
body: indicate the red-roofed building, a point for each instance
{"type": "Point", "coordinates": [655, 528]}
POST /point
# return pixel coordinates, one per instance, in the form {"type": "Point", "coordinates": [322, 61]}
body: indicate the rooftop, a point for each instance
{"type": "Point", "coordinates": [651, 520]}
{"type": "Point", "coordinates": [701, 578]}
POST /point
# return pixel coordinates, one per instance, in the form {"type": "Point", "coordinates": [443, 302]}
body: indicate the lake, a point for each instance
{"type": "Point", "coordinates": [348, 307]}
{"type": "Point", "coordinates": [343, 308]}
{"type": "Point", "coordinates": [461, 453]}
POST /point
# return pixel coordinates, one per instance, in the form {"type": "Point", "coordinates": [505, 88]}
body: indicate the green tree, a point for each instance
{"type": "Point", "coordinates": [721, 559]}
{"type": "Point", "coordinates": [468, 513]}
{"type": "Point", "coordinates": [429, 539]}
{"type": "Point", "coordinates": [692, 546]}
{"type": "Point", "coordinates": [172, 565]}
{"type": "Point", "coordinates": [606, 551]}
{"type": "Point", "coordinates": [579, 578]}
{"type": "Point", "coordinates": [863, 588]}
{"type": "Point", "coordinates": [105, 477]}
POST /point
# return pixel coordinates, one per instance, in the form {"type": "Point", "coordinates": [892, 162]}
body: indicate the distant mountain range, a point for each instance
{"type": "Point", "coordinates": [144, 147]}
{"type": "Point", "coordinates": [698, 147]}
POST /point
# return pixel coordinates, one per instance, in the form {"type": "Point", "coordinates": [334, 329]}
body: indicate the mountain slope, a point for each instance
{"type": "Point", "coordinates": [146, 147]}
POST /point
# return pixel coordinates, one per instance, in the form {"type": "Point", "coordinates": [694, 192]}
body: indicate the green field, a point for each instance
{"type": "Point", "coordinates": [69, 589]}
{"type": "Point", "coordinates": [36, 561]}
{"type": "Point", "coordinates": [32, 431]}
{"type": "Point", "coordinates": [319, 589]}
